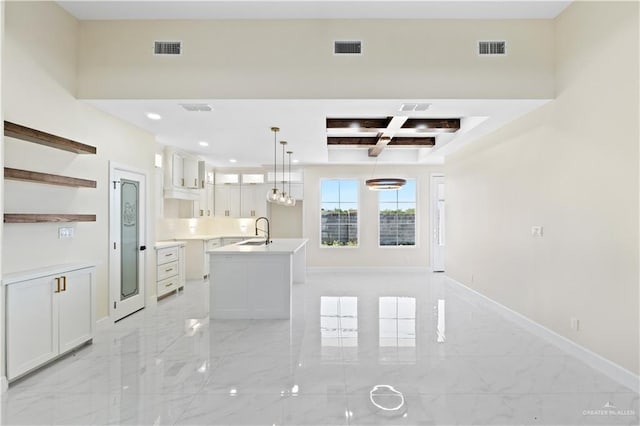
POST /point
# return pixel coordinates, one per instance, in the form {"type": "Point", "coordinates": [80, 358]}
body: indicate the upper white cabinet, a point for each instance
{"type": "Point", "coordinates": [48, 313]}
{"type": "Point", "coordinates": [253, 200]}
{"type": "Point", "coordinates": [182, 175]}
{"type": "Point", "coordinates": [204, 206]}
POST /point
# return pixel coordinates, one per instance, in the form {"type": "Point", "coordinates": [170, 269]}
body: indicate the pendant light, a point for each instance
{"type": "Point", "coordinates": [283, 195]}
{"type": "Point", "coordinates": [383, 184]}
{"type": "Point", "coordinates": [290, 200]}
{"type": "Point", "coordinates": [273, 195]}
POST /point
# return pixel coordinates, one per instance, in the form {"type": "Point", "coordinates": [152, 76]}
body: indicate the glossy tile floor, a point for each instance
{"type": "Point", "coordinates": [362, 348]}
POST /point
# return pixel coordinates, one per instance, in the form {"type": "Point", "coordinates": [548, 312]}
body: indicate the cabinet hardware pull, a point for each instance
{"type": "Point", "coordinates": [195, 182]}
{"type": "Point", "coordinates": [64, 283]}
{"type": "Point", "coordinates": [208, 212]}
{"type": "Point", "coordinates": [168, 270]}
{"type": "Point", "coordinates": [57, 285]}
{"type": "Point", "coordinates": [168, 255]}
{"type": "Point", "coordinates": [168, 285]}
{"type": "Point", "coordinates": [182, 182]}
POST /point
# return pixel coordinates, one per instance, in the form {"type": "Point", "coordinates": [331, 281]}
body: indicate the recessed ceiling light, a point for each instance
{"type": "Point", "coordinates": [354, 125]}
{"type": "Point", "coordinates": [233, 160]}
{"type": "Point", "coordinates": [203, 143]}
{"type": "Point", "coordinates": [153, 116]}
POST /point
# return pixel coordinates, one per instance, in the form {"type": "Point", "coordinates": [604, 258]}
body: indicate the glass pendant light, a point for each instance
{"type": "Point", "coordinates": [273, 195]}
{"type": "Point", "coordinates": [282, 199]}
{"type": "Point", "coordinates": [290, 200]}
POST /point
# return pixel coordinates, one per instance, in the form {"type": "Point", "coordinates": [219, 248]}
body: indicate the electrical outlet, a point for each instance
{"type": "Point", "coordinates": [65, 232]}
{"type": "Point", "coordinates": [536, 231]}
{"type": "Point", "coordinates": [575, 324]}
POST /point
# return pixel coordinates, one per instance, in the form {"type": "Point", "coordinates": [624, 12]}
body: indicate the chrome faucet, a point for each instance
{"type": "Point", "coordinates": [268, 231]}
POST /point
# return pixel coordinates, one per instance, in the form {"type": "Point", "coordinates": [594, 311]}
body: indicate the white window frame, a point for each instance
{"type": "Point", "coordinates": [358, 222]}
{"type": "Point", "coordinates": [416, 230]}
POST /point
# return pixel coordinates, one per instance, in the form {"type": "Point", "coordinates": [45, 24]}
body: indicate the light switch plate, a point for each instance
{"type": "Point", "coordinates": [65, 232]}
{"type": "Point", "coordinates": [536, 231]}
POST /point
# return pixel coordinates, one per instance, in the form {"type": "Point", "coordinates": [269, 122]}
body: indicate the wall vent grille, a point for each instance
{"type": "Point", "coordinates": [167, 48]}
{"type": "Point", "coordinates": [492, 47]}
{"type": "Point", "coordinates": [347, 47]}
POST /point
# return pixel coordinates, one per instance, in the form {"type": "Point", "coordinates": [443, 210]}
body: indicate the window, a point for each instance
{"type": "Point", "coordinates": [339, 206]}
{"type": "Point", "coordinates": [397, 216]}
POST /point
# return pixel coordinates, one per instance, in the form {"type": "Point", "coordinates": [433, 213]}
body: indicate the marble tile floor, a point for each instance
{"type": "Point", "coordinates": [363, 348]}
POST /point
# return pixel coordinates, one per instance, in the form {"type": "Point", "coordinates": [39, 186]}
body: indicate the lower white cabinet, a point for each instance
{"type": "Point", "coordinates": [170, 264]}
{"type": "Point", "coordinates": [47, 315]}
{"type": "Point", "coordinates": [197, 259]}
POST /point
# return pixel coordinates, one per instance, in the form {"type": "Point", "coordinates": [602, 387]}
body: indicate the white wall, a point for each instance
{"type": "Point", "coordinates": [368, 252]}
{"type": "Point", "coordinates": [289, 59]}
{"type": "Point", "coordinates": [39, 80]}
{"type": "Point", "coordinates": [572, 167]}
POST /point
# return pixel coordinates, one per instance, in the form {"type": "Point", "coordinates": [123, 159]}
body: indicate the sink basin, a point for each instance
{"type": "Point", "coordinates": [253, 243]}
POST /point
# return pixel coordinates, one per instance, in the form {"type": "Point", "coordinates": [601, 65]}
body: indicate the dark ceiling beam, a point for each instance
{"type": "Point", "coordinates": [439, 125]}
{"type": "Point", "coordinates": [372, 141]}
{"type": "Point", "coordinates": [358, 123]}
{"type": "Point", "coordinates": [344, 140]}
{"type": "Point", "coordinates": [409, 141]}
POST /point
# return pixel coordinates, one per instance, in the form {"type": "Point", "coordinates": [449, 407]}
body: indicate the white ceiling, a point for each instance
{"type": "Point", "coordinates": [240, 129]}
{"type": "Point", "coordinates": [313, 9]}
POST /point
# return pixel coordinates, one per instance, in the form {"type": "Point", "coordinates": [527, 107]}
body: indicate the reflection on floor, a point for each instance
{"type": "Point", "coordinates": [362, 348]}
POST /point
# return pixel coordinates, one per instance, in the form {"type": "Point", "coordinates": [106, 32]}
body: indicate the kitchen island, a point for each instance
{"type": "Point", "coordinates": [250, 280]}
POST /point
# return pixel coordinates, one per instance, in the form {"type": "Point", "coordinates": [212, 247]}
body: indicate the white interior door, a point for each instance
{"type": "Point", "coordinates": [437, 223]}
{"type": "Point", "coordinates": [127, 228]}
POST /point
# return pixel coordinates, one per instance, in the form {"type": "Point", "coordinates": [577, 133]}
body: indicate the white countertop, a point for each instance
{"type": "Point", "coordinates": [277, 246]}
{"type": "Point", "coordinates": [165, 244]}
{"type": "Point", "coordinates": [211, 236]}
{"type": "Point", "coordinates": [16, 277]}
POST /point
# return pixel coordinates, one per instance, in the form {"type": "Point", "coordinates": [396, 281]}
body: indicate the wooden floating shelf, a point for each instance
{"type": "Point", "coordinates": [28, 134]}
{"type": "Point", "coordinates": [29, 176]}
{"type": "Point", "coordinates": [41, 218]}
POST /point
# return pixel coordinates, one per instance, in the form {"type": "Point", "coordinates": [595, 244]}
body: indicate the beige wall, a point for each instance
{"type": "Point", "coordinates": [571, 167]}
{"type": "Point", "coordinates": [368, 253]}
{"type": "Point", "coordinates": [39, 76]}
{"type": "Point", "coordinates": [286, 222]}
{"type": "Point", "coordinates": [289, 59]}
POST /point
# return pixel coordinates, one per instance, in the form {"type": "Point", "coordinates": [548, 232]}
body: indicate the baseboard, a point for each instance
{"type": "Point", "coordinates": [358, 269]}
{"type": "Point", "coordinates": [598, 362]}
{"type": "Point", "coordinates": [104, 323]}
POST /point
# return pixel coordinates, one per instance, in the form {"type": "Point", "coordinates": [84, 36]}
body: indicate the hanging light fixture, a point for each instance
{"type": "Point", "coordinates": [283, 195]}
{"type": "Point", "coordinates": [290, 200]}
{"type": "Point", "coordinates": [273, 195]}
{"type": "Point", "coordinates": [383, 184]}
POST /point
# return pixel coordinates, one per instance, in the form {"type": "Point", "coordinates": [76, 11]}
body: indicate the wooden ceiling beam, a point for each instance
{"type": "Point", "coordinates": [438, 125]}
{"type": "Point", "coordinates": [358, 123]}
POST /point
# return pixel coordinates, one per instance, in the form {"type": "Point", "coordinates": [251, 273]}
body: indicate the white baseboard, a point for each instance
{"type": "Point", "coordinates": [104, 323]}
{"type": "Point", "coordinates": [359, 269]}
{"type": "Point", "coordinates": [592, 359]}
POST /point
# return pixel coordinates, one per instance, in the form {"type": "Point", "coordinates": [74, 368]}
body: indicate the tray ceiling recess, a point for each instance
{"type": "Point", "coordinates": [378, 134]}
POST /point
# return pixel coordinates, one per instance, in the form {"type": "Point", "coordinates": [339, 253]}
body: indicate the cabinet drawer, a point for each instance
{"type": "Point", "coordinates": [167, 270]}
{"type": "Point", "coordinates": [170, 284]}
{"type": "Point", "coordinates": [166, 255]}
{"type": "Point", "coordinates": [211, 244]}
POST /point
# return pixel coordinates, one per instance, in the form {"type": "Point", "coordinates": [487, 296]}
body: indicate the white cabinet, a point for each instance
{"type": "Point", "coordinates": [170, 264]}
{"type": "Point", "coordinates": [253, 200]}
{"type": "Point", "coordinates": [48, 313]}
{"type": "Point", "coordinates": [181, 175]}
{"type": "Point", "coordinates": [197, 259]}
{"type": "Point", "coordinates": [227, 200]}
{"type": "Point", "coordinates": [204, 207]}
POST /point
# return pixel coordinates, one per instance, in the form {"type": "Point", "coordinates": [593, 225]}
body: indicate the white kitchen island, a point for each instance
{"type": "Point", "coordinates": [254, 281]}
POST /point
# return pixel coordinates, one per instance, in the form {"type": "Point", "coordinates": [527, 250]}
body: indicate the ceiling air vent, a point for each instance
{"type": "Point", "coordinates": [492, 47]}
{"type": "Point", "coordinates": [347, 47]}
{"type": "Point", "coordinates": [167, 48]}
{"type": "Point", "coordinates": [197, 107]}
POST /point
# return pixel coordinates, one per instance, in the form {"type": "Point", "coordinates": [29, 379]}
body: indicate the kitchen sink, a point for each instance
{"type": "Point", "coordinates": [253, 243]}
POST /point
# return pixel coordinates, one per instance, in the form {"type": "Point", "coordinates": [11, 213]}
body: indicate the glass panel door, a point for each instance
{"type": "Point", "coordinates": [129, 234]}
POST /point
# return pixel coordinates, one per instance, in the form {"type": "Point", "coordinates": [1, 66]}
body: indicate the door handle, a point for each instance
{"type": "Point", "coordinates": [143, 248]}
{"type": "Point", "coordinates": [64, 284]}
{"type": "Point", "coordinates": [57, 285]}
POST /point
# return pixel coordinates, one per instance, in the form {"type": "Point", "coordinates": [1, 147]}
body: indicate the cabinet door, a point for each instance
{"type": "Point", "coordinates": [235, 200]}
{"type": "Point", "coordinates": [247, 195]}
{"type": "Point", "coordinates": [210, 190]}
{"type": "Point", "coordinates": [177, 170]}
{"type": "Point", "coordinates": [32, 326]}
{"type": "Point", "coordinates": [75, 309]}
{"type": "Point", "coordinates": [221, 199]}
{"type": "Point", "coordinates": [191, 173]}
